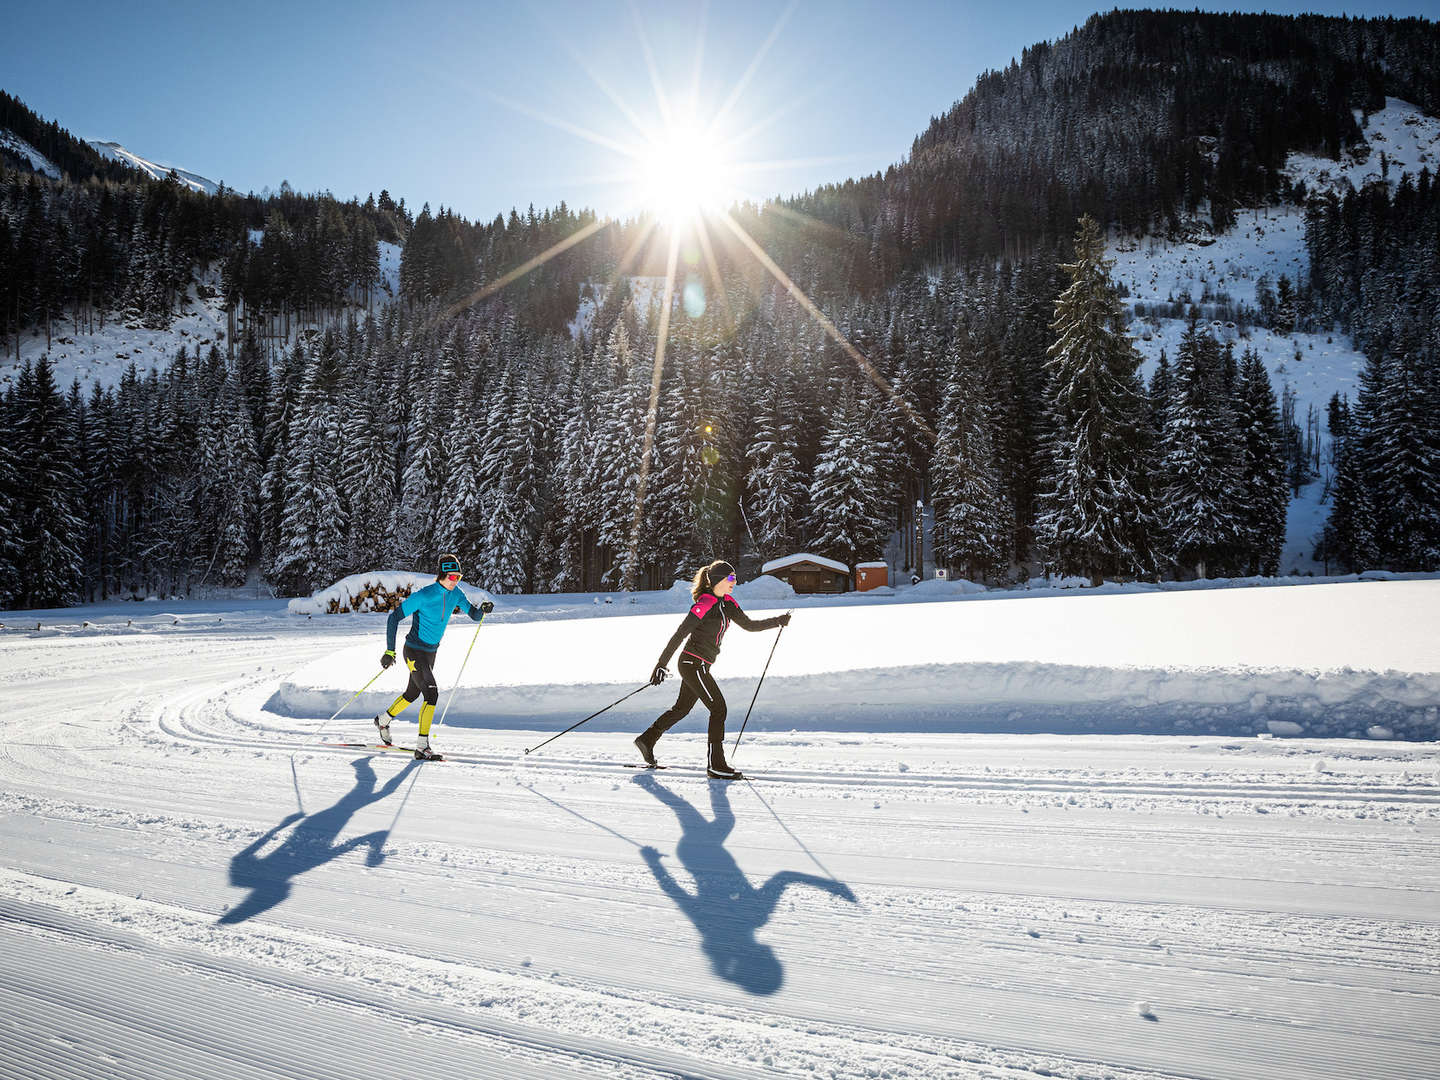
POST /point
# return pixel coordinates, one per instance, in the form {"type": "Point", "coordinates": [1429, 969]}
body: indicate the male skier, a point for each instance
{"type": "Point", "coordinates": [431, 607]}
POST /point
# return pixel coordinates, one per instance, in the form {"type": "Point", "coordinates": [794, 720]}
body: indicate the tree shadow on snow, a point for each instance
{"type": "Point", "coordinates": [725, 907]}
{"type": "Point", "coordinates": [310, 844]}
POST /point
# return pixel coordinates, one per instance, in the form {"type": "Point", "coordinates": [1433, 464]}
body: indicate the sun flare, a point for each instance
{"type": "Point", "coordinates": [683, 173]}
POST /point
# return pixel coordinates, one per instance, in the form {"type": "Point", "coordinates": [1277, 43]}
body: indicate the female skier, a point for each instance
{"type": "Point", "coordinates": [432, 607]}
{"type": "Point", "coordinates": [705, 624]}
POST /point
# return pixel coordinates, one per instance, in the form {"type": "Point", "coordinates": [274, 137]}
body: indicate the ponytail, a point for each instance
{"type": "Point", "coordinates": [707, 576]}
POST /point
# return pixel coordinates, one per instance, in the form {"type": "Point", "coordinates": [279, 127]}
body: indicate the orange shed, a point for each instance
{"type": "Point", "coordinates": [871, 575]}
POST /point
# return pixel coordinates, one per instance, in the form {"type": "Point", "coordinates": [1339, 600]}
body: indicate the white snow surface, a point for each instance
{"type": "Point", "coordinates": [38, 161]}
{"type": "Point", "coordinates": [155, 170]}
{"type": "Point", "coordinates": [192, 884]}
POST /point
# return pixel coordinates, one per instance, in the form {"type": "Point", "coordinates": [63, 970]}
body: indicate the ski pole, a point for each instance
{"type": "Point", "coordinates": [757, 688]}
{"type": "Point", "coordinates": [353, 696]}
{"type": "Point", "coordinates": [478, 623]}
{"type": "Point", "coordinates": [592, 716]}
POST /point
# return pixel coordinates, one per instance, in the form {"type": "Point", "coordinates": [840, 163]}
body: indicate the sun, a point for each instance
{"type": "Point", "coordinates": [683, 173]}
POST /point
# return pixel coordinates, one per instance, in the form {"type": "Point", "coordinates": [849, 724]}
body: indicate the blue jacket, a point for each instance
{"type": "Point", "coordinates": [432, 607]}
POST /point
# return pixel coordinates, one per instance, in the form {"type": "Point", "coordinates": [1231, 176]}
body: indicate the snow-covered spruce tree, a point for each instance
{"type": "Point", "coordinates": [1264, 495]}
{"type": "Point", "coordinates": [227, 488]}
{"type": "Point", "coordinates": [1349, 535]}
{"type": "Point", "coordinates": [1404, 438]}
{"type": "Point", "coordinates": [312, 533]}
{"type": "Point", "coordinates": [573, 508]}
{"type": "Point", "coordinates": [775, 485]}
{"type": "Point", "coordinates": [970, 520]}
{"type": "Point", "coordinates": [847, 516]}
{"type": "Point", "coordinates": [1095, 510]}
{"type": "Point", "coordinates": [1200, 469]}
{"type": "Point", "coordinates": [367, 473]}
{"type": "Point", "coordinates": [10, 585]}
{"type": "Point", "coordinates": [616, 452]}
{"type": "Point", "coordinates": [422, 481]}
{"type": "Point", "coordinates": [280, 413]}
{"type": "Point", "coordinates": [50, 526]}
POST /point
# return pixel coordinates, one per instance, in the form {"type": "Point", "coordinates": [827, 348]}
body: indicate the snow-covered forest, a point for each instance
{"type": "Point", "coordinates": [327, 432]}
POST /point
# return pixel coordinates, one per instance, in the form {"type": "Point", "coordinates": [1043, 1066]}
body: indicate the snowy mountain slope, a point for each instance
{"type": "Point", "coordinates": [102, 356]}
{"type": "Point", "coordinates": [1227, 270]}
{"type": "Point", "coordinates": [173, 857]}
{"type": "Point", "coordinates": [23, 150]}
{"type": "Point", "coordinates": [1399, 139]}
{"type": "Point", "coordinates": [115, 152]}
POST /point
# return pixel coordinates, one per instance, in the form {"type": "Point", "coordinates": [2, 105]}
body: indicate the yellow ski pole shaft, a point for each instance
{"type": "Point", "coordinates": [478, 623]}
{"type": "Point", "coordinates": [353, 696]}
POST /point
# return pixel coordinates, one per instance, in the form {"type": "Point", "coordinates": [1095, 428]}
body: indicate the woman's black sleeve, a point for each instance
{"type": "Point", "coordinates": [687, 627]}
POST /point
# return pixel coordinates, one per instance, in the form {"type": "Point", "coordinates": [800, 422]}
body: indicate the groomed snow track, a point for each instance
{"type": "Point", "coordinates": [193, 887]}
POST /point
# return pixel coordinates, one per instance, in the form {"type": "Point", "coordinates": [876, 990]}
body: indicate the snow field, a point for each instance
{"type": "Point", "coordinates": [173, 855]}
{"type": "Point", "coordinates": [1322, 660]}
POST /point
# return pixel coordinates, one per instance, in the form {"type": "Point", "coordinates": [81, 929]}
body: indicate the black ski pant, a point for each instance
{"type": "Point", "coordinates": [422, 676]}
{"type": "Point", "coordinates": [696, 684]}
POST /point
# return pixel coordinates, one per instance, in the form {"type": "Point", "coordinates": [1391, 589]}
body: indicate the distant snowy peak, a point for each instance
{"type": "Point", "coordinates": [115, 152]}
{"type": "Point", "coordinates": [1399, 139]}
{"type": "Point", "coordinates": [18, 147]}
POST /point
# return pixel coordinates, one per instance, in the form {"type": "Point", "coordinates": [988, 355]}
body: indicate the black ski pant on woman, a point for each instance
{"type": "Point", "coordinates": [696, 684]}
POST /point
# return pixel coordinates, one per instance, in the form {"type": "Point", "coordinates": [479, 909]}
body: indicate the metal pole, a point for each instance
{"type": "Point", "coordinates": [592, 716]}
{"type": "Point", "coordinates": [478, 623]}
{"type": "Point", "coordinates": [353, 696]}
{"type": "Point", "coordinates": [757, 689]}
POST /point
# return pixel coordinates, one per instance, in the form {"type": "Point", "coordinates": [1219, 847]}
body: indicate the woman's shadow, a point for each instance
{"type": "Point", "coordinates": [310, 844]}
{"type": "Point", "coordinates": [725, 907]}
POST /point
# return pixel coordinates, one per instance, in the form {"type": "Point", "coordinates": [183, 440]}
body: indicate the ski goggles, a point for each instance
{"type": "Point", "coordinates": [731, 579]}
{"type": "Point", "coordinates": [452, 577]}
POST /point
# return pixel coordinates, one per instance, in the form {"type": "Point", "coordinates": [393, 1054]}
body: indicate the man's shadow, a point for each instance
{"type": "Point", "coordinates": [310, 844]}
{"type": "Point", "coordinates": [725, 907]}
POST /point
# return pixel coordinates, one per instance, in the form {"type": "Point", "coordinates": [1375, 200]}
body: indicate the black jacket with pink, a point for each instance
{"type": "Point", "coordinates": [706, 624]}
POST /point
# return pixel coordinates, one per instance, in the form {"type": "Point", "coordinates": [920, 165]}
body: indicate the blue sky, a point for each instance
{"type": "Point", "coordinates": [481, 106]}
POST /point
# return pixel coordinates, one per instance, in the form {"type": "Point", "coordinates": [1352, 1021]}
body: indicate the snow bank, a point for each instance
{"type": "Point", "coordinates": [935, 588]}
{"type": "Point", "coordinates": [764, 591]}
{"type": "Point", "coordinates": [1323, 661]}
{"type": "Point", "coordinates": [370, 591]}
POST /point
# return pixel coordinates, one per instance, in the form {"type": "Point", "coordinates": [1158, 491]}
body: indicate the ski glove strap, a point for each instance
{"type": "Point", "coordinates": [388, 658]}
{"type": "Point", "coordinates": [658, 675]}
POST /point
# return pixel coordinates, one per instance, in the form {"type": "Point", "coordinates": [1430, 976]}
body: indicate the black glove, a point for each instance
{"type": "Point", "coordinates": [388, 658]}
{"type": "Point", "coordinates": [486, 607]}
{"type": "Point", "coordinates": [783, 620]}
{"type": "Point", "coordinates": [658, 675]}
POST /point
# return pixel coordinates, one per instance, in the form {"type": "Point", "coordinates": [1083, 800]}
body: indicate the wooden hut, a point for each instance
{"type": "Point", "coordinates": [810, 573]}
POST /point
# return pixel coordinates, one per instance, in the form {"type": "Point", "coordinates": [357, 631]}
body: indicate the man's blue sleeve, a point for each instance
{"type": "Point", "coordinates": [407, 607]}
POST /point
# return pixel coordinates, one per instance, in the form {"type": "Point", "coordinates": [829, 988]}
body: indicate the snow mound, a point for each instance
{"type": "Point", "coordinates": [1194, 662]}
{"type": "Point", "coordinates": [764, 591]}
{"type": "Point", "coordinates": [375, 590]}
{"type": "Point", "coordinates": [945, 587]}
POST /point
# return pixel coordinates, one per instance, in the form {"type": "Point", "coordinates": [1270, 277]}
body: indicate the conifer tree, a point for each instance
{"type": "Point", "coordinates": [1095, 513]}
{"type": "Point", "coordinates": [51, 530]}
{"type": "Point", "coordinates": [847, 518]}
{"type": "Point", "coordinates": [970, 520]}
{"type": "Point", "coordinates": [1201, 477]}
{"type": "Point", "coordinates": [1264, 495]}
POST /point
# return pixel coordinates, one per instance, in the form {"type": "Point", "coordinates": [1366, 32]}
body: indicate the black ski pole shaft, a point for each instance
{"type": "Point", "coordinates": [757, 690]}
{"type": "Point", "coordinates": [592, 716]}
